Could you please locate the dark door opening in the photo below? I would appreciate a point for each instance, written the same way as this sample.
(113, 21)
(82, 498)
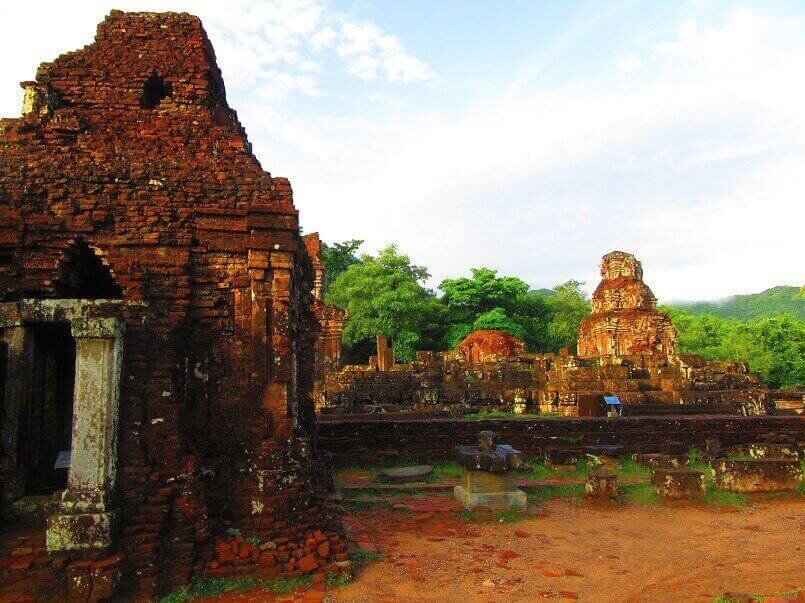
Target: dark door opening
(46, 421)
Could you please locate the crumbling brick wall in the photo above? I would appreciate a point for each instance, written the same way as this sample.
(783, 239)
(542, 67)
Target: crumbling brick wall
(128, 147)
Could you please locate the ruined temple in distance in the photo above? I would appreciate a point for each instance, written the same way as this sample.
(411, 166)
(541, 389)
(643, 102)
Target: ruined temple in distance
(624, 319)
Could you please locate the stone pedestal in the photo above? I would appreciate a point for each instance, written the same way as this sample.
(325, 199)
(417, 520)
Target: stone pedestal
(678, 483)
(495, 491)
(85, 517)
(602, 485)
(757, 475)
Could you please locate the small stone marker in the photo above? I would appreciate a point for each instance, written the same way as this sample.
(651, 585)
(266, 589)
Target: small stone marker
(677, 483)
(757, 475)
(406, 475)
(602, 485)
(489, 476)
(63, 460)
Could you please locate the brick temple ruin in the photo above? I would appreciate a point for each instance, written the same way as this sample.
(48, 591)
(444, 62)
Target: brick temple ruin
(159, 326)
(163, 330)
(626, 349)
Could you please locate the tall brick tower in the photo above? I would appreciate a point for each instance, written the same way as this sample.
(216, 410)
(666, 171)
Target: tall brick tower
(624, 319)
(137, 226)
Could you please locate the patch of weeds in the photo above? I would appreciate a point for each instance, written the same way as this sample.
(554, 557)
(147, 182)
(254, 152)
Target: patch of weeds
(572, 492)
(443, 471)
(281, 586)
(719, 498)
(583, 468)
(360, 558)
(339, 581)
(199, 589)
(800, 489)
(539, 469)
(629, 467)
(639, 494)
(233, 532)
(510, 516)
(696, 462)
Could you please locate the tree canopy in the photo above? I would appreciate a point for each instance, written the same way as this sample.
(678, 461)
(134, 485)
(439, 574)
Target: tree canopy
(384, 294)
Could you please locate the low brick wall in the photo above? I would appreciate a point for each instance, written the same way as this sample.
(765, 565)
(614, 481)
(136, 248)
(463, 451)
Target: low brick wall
(356, 438)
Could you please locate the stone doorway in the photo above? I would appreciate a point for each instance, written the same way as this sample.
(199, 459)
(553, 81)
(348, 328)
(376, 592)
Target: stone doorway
(46, 416)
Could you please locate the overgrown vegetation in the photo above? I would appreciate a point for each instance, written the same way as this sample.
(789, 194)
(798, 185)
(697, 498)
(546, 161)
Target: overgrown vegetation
(640, 493)
(386, 293)
(510, 516)
(572, 492)
(774, 348)
(629, 467)
(360, 558)
(199, 589)
(718, 498)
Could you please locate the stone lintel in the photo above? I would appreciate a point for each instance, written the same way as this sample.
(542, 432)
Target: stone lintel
(63, 310)
(97, 328)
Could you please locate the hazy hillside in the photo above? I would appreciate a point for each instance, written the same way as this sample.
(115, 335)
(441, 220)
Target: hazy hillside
(772, 302)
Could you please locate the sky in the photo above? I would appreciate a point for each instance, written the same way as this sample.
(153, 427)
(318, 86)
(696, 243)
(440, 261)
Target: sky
(530, 137)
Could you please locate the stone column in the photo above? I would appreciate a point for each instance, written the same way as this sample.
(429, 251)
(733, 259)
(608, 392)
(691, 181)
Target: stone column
(18, 340)
(86, 517)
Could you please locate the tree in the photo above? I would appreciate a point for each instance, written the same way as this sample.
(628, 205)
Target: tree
(774, 348)
(568, 306)
(488, 301)
(384, 294)
(337, 257)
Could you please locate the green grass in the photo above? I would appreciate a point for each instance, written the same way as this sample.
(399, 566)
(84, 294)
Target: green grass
(696, 462)
(281, 586)
(510, 516)
(501, 414)
(792, 593)
(639, 494)
(628, 467)
(572, 492)
(361, 558)
(718, 498)
(198, 589)
(539, 469)
(339, 581)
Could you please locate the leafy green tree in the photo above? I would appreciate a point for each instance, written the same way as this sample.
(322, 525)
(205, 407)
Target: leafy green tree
(773, 347)
(568, 306)
(337, 257)
(486, 300)
(384, 294)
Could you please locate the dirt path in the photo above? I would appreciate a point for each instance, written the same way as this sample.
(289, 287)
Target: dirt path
(590, 553)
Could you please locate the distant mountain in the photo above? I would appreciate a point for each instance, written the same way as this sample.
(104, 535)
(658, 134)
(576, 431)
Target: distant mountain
(771, 302)
(544, 293)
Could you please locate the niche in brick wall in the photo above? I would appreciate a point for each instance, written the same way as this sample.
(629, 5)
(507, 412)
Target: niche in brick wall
(155, 90)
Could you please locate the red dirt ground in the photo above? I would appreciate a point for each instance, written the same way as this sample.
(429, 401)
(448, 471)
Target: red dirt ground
(587, 552)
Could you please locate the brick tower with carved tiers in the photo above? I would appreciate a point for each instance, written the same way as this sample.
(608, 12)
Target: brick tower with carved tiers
(624, 320)
(129, 166)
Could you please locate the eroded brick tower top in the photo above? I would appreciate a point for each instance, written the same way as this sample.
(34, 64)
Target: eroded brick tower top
(624, 319)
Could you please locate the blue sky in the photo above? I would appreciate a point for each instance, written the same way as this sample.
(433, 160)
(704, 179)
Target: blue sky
(530, 137)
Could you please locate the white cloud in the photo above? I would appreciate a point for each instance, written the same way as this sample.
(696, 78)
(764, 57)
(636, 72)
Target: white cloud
(692, 159)
(280, 43)
(370, 51)
(628, 64)
(696, 167)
